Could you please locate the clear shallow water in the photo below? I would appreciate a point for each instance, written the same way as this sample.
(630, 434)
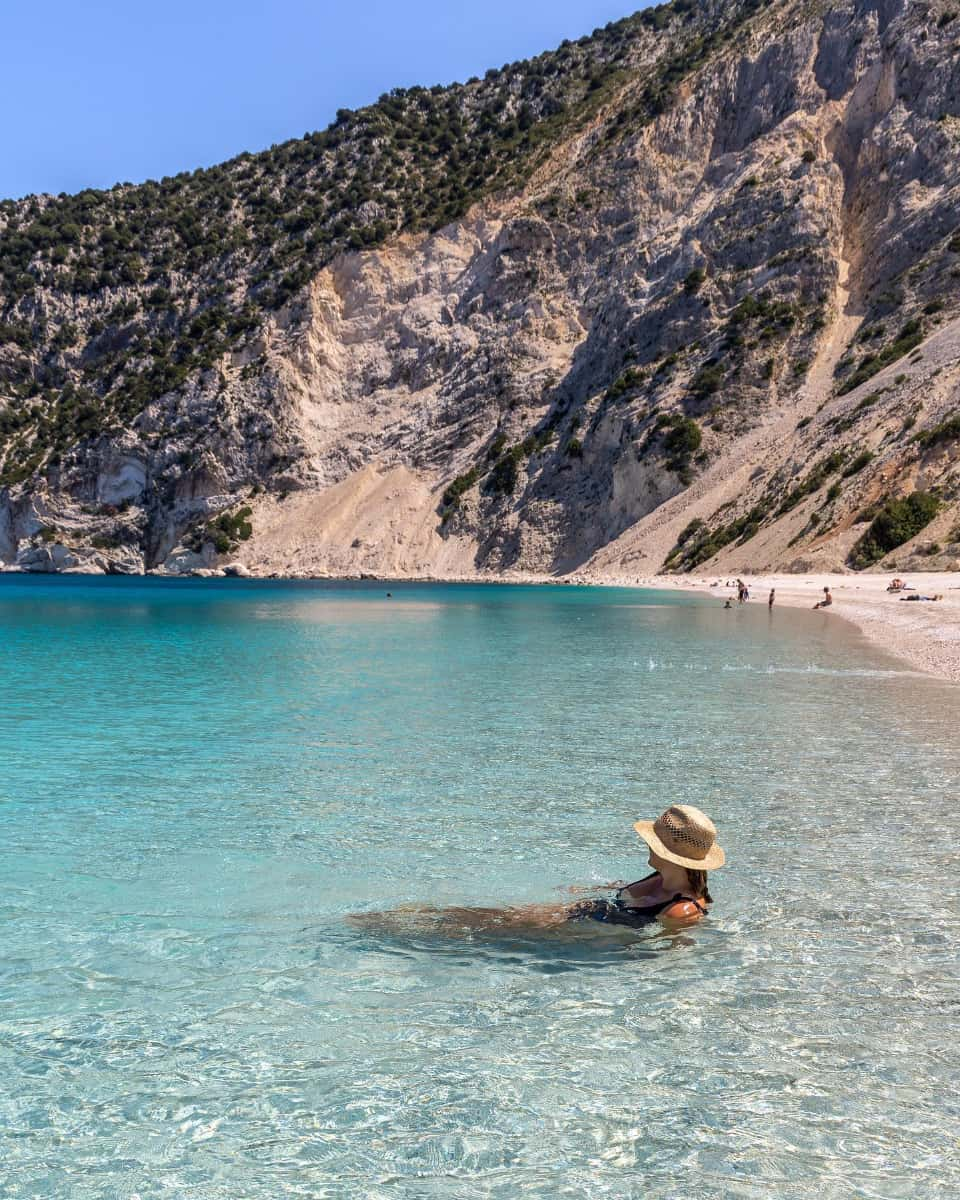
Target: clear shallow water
(199, 781)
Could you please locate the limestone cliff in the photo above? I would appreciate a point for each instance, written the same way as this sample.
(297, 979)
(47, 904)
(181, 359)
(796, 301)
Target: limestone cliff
(686, 290)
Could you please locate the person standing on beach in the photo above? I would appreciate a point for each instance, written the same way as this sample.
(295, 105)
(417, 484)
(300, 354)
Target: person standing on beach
(773, 592)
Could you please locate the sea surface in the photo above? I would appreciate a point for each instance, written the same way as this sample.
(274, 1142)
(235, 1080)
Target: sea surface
(200, 781)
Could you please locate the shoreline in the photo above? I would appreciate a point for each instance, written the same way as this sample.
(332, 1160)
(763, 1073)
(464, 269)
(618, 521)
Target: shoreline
(926, 635)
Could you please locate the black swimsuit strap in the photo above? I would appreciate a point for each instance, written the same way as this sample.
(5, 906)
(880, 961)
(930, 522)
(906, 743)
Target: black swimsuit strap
(654, 909)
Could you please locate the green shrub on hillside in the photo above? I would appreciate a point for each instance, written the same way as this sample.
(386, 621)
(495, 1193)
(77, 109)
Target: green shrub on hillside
(694, 280)
(706, 381)
(690, 531)
(910, 336)
(946, 431)
(631, 378)
(697, 543)
(502, 480)
(224, 531)
(682, 442)
(813, 482)
(462, 483)
(896, 522)
(857, 465)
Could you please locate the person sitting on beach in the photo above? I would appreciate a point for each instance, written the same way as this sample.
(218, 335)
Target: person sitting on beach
(728, 603)
(826, 601)
(683, 848)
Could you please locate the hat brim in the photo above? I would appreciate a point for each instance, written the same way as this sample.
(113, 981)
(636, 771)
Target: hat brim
(712, 860)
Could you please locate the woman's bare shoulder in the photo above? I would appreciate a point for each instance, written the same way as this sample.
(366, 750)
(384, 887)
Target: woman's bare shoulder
(643, 887)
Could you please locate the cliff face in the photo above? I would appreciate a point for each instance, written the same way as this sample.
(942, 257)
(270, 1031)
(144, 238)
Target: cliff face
(692, 293)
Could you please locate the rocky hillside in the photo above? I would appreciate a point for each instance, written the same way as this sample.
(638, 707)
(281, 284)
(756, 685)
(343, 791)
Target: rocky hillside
(684, 292)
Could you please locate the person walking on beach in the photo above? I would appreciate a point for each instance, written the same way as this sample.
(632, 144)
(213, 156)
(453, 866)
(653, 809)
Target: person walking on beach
(826, 601)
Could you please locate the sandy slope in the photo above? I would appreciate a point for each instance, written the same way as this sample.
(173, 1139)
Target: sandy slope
(381, 522)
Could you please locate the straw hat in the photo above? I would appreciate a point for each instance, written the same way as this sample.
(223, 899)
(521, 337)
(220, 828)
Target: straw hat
(685, 836)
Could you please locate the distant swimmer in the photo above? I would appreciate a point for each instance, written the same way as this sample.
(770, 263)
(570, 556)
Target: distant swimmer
(683, 848)
(826, 601)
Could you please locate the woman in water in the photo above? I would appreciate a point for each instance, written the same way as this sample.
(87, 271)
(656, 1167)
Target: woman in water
(683, 848)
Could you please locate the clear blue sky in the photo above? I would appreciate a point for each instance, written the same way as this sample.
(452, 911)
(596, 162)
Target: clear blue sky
(112, 90)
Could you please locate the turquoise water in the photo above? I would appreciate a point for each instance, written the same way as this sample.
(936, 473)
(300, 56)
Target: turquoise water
(200, 780)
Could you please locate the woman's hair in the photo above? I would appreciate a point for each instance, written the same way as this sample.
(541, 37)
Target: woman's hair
(698, 885)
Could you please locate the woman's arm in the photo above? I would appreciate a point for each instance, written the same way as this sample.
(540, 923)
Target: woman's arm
(577, 890)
